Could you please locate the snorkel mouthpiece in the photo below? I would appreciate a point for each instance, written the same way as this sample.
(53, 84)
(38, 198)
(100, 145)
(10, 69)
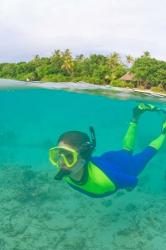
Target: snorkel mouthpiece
(62, 173)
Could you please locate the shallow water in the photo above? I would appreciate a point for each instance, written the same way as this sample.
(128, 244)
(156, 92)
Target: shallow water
(40, 213)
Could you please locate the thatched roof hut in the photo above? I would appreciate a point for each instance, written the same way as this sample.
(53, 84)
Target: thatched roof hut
(128, 77)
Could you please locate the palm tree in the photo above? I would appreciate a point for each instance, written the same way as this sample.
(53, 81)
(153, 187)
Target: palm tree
(130, 59)
(68, 64)
(113, 60)
(36, 60)
(57, 55)
(146, 54)
(80, 58)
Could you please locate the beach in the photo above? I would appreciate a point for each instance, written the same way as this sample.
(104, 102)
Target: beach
(81, 86)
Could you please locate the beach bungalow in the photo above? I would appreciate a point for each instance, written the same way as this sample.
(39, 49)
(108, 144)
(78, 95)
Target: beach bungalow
(130, 77)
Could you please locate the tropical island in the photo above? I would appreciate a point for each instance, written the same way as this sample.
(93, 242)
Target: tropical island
(144, 73)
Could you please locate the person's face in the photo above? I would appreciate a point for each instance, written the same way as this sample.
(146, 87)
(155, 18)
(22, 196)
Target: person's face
(79, 166)
(68, 156)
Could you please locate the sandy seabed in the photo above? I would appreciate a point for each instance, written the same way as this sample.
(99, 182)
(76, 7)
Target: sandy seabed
(40, 213)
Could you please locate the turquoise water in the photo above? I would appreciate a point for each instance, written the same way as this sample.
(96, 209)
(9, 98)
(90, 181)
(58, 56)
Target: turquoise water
(40, 213)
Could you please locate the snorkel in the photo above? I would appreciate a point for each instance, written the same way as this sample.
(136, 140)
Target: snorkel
(93, 137)
(62, 173)
(87, 146)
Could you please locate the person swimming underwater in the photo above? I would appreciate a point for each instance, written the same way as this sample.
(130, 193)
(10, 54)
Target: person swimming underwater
(113, 170)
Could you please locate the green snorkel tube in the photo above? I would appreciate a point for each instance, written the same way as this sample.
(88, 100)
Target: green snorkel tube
(89, 145)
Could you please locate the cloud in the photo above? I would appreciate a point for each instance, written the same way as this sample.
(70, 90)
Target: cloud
(85, 26)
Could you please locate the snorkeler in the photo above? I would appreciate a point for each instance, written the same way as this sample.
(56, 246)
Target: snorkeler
(113, 170)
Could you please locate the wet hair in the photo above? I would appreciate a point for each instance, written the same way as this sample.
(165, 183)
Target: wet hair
(78, 140)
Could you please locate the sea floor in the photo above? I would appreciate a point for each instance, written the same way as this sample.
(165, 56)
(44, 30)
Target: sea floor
(39, 213)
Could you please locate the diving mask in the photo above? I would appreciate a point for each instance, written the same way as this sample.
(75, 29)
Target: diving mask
(68, 156)
(63, 155)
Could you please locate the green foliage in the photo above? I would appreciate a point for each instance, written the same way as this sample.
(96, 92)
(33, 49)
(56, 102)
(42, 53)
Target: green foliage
(122, 84)
(55, 78)
(61, 66)
(158, 89)
(130, 59)
(149, 71)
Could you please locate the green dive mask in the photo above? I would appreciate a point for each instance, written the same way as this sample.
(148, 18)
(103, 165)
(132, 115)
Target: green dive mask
(59, 155)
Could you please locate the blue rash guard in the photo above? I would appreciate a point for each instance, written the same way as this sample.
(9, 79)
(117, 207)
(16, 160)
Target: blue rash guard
(122, 167)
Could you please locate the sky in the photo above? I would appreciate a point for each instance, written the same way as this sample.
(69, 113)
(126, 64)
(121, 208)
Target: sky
(129, 27)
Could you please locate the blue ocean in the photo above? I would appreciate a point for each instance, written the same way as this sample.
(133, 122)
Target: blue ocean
(39, 213)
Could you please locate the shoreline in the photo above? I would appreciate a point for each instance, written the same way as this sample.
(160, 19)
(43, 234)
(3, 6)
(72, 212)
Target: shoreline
(149, 92)
(15, 84)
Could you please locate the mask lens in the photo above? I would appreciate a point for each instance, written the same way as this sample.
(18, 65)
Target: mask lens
(62, 156)
(67, 154)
